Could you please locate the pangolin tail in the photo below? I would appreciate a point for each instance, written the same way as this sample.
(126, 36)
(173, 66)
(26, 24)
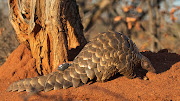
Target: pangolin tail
(54, 80)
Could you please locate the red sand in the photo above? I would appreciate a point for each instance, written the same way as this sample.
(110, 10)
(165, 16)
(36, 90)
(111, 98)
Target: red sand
(163, 86)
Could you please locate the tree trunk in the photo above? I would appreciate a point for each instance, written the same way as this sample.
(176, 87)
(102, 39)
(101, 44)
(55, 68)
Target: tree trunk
(51, 29)
(154, 24)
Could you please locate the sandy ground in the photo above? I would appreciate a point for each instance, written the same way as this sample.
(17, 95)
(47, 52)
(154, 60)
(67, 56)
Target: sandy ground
(162, 86)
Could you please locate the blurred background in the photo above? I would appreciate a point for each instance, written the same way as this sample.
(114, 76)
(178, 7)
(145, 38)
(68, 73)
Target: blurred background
(151, 24)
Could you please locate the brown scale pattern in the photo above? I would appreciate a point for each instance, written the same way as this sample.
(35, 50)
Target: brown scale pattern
(106, 55)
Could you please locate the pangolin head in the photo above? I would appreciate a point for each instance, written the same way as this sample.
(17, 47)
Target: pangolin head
(146, 64)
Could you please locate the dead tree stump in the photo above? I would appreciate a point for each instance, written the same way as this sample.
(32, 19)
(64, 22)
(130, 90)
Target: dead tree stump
(51, 29)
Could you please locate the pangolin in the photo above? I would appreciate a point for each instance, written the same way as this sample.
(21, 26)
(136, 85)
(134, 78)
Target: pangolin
(105, 55)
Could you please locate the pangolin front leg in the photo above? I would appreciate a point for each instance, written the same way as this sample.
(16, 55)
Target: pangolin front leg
(104, 56)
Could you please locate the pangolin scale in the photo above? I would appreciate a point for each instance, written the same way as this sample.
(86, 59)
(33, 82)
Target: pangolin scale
(107, 54)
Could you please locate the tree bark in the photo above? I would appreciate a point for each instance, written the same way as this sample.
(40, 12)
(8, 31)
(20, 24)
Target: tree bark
(51, 29)
(154, 24)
